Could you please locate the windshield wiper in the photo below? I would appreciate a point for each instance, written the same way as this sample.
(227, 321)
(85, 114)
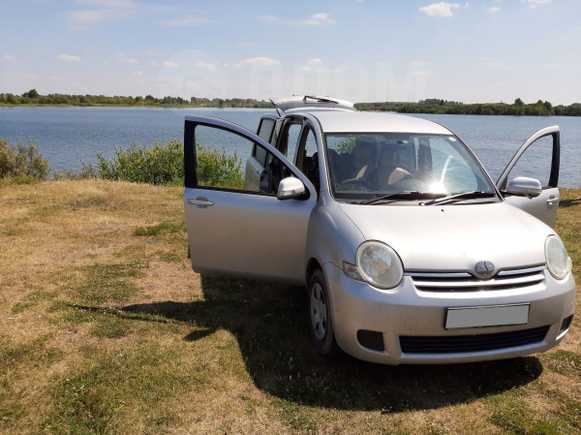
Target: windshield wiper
(410, 195)
(460, 197)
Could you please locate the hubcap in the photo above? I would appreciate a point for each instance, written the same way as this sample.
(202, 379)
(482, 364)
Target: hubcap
(318, 311)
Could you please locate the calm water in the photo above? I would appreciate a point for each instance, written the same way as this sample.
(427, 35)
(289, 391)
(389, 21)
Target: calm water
(68, 136)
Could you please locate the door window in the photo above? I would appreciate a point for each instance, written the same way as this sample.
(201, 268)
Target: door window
(265, 129)
(289, 139)
(228, 161)
(535, 162)
(307, 158)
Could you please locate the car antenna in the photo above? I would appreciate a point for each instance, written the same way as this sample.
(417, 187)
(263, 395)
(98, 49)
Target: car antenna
(278, 111)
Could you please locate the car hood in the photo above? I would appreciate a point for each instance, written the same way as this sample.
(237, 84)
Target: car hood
(454, 237)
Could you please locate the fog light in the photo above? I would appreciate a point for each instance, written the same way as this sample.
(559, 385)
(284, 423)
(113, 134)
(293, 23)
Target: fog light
(371, 339)
(566, 323)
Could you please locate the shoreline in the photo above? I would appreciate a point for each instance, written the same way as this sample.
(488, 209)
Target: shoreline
(169, 106)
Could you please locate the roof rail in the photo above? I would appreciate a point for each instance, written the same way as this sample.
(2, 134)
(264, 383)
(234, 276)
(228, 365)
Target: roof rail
(297, 103)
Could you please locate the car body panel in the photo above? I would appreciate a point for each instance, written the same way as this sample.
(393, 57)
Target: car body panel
(454, 237)
(371, 122)
(410, 312)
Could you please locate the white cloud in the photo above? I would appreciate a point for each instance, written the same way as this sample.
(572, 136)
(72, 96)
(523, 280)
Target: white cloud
(107, 3)
(268, 19)
(441, 9)
(123, 58)
(259, 61)
(68, 58)
(204, 65)
(494, 10)
(6, 58)
(314, 64)
(319, 19)
(185, 21)
(534, 3)
(95, 11)
(168, 64)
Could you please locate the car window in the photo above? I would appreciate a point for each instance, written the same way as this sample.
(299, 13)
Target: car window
(265, 131)
(266, 128)
(224, 160)
(307, 157)
(535, 162)
(291, 140)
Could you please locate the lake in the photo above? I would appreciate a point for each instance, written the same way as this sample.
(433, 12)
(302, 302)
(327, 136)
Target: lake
(68, 136)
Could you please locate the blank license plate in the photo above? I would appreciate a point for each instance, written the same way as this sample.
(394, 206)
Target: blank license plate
(498, 315)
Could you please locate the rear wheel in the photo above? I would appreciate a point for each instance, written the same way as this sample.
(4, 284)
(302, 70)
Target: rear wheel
(321, 322)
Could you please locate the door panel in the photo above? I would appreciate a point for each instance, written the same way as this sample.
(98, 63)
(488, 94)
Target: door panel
(543, 207)
(538, 157)
(242, 230)
(254, 235)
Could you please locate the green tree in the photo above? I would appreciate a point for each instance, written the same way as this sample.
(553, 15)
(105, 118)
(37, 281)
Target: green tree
(33, 93)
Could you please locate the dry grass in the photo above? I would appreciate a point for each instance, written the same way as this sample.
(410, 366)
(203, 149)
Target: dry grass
(104, 328)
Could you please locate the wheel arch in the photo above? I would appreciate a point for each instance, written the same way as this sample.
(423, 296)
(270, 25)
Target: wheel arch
(312, 265)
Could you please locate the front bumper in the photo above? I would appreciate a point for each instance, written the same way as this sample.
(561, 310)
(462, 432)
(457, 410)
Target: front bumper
(413, 313)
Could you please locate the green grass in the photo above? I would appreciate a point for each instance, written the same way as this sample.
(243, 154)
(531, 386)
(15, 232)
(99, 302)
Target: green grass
(108, 327)
(565, 362)
(159, 229)
(31, 300)
(34, 353)
(107, 331)
(142, 377)
(108, 283)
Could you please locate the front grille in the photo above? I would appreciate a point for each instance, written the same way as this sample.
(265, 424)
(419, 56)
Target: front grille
(435, 281)
(472, 343)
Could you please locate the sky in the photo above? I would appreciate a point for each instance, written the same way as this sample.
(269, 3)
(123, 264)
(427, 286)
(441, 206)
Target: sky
(361, 50)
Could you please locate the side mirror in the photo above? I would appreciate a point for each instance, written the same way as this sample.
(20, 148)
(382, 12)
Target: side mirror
(289, 188)
(524, 186)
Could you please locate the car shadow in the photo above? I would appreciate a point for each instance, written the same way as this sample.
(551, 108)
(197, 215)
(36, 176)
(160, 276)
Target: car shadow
(569, 202)
(271, 325)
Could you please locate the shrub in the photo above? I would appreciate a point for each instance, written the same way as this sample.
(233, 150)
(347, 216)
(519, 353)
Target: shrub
(218, 169)
(163, 164)
(160, 164)
(22, 162)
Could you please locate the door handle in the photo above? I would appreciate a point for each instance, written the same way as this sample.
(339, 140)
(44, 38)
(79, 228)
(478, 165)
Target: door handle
(201, 202)
(552, 201)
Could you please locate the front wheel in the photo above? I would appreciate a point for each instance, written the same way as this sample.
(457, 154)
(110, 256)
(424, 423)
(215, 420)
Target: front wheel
(322, 333)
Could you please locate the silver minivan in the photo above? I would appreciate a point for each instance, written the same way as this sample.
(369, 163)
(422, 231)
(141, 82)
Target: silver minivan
(410, 252)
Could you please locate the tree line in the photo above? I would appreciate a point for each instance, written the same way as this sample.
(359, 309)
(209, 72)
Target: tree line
(432, 105)
(32, 97)
(437, 106)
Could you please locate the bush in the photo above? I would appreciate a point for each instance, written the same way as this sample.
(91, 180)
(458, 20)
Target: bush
(160, 164)
(22, 162)
(163, 164)
(218, 169)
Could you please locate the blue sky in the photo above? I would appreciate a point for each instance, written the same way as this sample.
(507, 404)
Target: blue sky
(364, 50)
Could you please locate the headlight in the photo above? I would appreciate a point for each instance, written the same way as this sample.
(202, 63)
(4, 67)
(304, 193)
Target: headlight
(379, 265)
(558, 261)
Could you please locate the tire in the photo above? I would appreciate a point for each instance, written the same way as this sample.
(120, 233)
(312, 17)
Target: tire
(320, 318)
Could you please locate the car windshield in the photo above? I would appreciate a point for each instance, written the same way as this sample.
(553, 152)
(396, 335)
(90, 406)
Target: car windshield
(365, 165)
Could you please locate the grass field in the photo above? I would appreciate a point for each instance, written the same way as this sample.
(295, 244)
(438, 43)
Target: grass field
(104, 328)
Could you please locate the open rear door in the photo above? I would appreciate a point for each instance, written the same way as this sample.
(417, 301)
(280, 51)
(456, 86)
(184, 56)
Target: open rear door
(538, 157)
